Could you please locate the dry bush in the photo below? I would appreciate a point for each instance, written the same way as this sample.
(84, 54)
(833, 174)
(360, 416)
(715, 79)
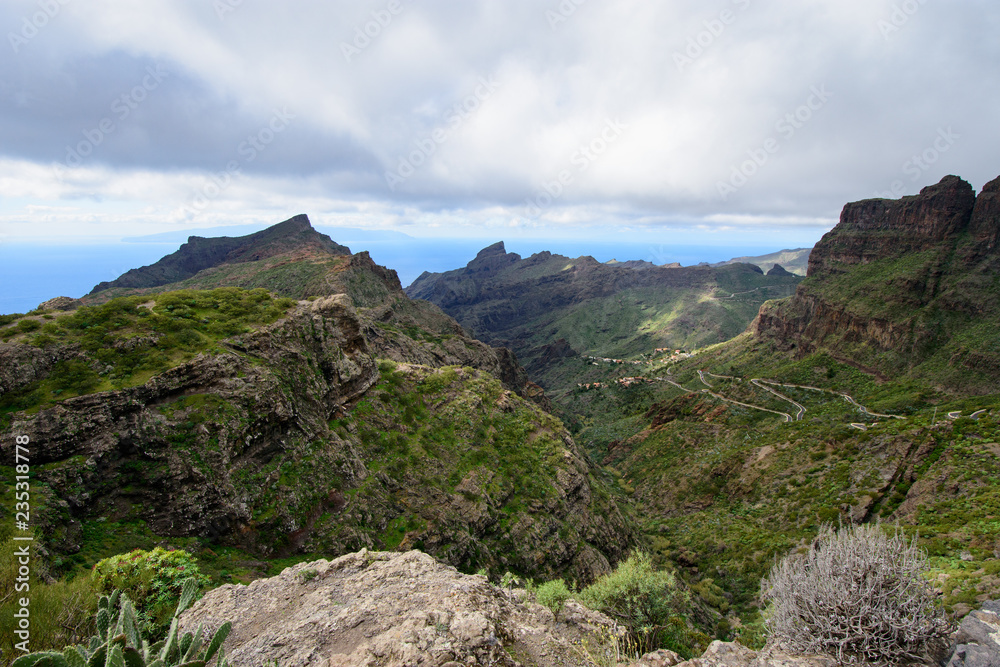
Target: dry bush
(858, 595)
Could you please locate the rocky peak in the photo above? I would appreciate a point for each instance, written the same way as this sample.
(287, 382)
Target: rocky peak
(199, 253)
(493, 258)
(875, 229)
(779, 270)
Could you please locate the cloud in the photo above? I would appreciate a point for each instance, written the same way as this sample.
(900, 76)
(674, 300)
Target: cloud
(700, 89)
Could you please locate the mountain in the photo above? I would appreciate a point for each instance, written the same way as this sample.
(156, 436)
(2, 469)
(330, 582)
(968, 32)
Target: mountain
(794, 261)
(905, 286)
(201, 253)
(613, 309)
(288, 398)
(291, 259)
(871, 394)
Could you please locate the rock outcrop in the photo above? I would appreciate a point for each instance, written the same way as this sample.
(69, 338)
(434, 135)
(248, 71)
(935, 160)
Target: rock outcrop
(977, 641)
(880, 229)
(390, 609)
(292, 437)
(901, 283)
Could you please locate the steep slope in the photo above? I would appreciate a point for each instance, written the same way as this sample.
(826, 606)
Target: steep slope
(871, 394)
(616, 309)
(907, 286)
(269, 425)
(291, 259)
(202, 253)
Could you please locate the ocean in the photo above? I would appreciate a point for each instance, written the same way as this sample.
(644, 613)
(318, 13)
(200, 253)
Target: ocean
(31, 273)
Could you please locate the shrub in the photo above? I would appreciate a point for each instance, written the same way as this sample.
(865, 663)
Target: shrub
(62, 612)
(553, 594)
(858, 595)
(118, 642)
(646, 601)
(153, 581)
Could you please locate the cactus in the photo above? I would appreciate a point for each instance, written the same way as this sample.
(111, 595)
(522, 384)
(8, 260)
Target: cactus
(119, 644)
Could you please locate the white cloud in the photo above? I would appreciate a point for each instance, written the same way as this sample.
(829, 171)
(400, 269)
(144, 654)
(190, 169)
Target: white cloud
(753, 61)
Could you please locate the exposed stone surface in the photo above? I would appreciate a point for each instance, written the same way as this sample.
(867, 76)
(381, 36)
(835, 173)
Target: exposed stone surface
(876, 229)
(977, 641)
(59, 303)
(389, 609)
(937, 253)
(733, 654)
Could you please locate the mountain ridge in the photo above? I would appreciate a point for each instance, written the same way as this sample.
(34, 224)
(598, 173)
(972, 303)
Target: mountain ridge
(200, 253)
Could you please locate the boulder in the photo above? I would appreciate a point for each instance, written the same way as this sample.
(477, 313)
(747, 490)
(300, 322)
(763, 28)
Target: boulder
(390, 609)
(977, 641)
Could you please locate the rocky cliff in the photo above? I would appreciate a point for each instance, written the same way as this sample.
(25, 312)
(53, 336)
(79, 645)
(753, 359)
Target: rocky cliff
(902, 286)
(291, 259)
(291, 438)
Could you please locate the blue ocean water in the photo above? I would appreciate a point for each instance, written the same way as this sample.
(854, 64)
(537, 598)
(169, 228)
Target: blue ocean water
(31, 273)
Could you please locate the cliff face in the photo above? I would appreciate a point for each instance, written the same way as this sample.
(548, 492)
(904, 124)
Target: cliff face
(903, 285)
(291, 438)
(879, 229)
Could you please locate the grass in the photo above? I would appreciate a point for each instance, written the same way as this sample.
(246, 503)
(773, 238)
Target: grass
(123, 342)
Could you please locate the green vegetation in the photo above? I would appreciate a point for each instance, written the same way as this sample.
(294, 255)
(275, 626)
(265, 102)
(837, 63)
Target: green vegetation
(553, 594)
(118, 641)
(648, 603)
(152, 580)
(62, 612)
(127, 340)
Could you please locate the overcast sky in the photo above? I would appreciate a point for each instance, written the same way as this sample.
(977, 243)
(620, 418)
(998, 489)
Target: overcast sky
(733, 118)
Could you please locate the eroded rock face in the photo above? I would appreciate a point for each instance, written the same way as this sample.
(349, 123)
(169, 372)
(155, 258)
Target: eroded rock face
(177, 445)
(733, 654)
(876, 229)
(897, 282)
(977, 641)
(389, 609)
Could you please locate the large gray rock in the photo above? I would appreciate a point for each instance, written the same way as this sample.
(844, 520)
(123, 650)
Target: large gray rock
(733, 654)
(978, 638)
(390, 609)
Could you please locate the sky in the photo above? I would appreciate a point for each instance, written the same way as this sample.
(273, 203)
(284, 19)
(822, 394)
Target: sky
(708, 121)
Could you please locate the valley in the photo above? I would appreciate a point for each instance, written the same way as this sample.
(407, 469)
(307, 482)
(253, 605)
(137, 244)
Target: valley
(267, 400)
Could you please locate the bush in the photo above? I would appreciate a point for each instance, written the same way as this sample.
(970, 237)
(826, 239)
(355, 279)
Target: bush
(118, 642)
(62, 612)
(152, 580)
(858, 595)
(647, 602)
(553, 594)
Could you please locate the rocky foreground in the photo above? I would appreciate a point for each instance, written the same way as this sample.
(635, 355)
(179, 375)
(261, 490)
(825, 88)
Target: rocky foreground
(393, 609)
